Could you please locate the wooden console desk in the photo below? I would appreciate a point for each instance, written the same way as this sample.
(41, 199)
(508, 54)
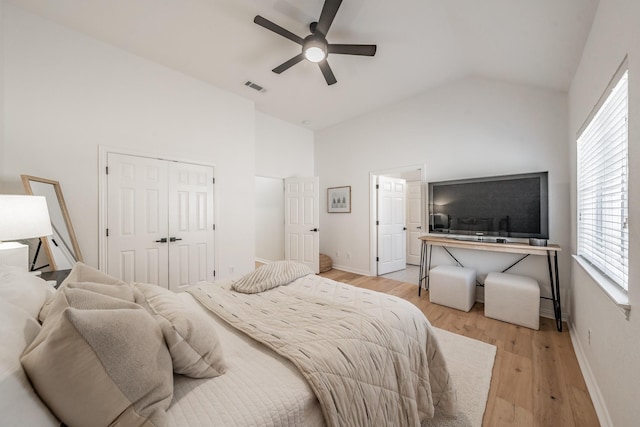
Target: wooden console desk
(472, 243)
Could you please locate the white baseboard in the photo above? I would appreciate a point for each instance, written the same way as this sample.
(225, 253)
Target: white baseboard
(337, 267)
(549, 314)
(594, 391)
(351, 270)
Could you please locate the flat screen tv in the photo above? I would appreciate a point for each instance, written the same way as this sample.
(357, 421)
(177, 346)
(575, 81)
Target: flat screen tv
(502, 206)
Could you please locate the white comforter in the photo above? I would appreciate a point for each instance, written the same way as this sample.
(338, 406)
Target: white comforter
(262, 388)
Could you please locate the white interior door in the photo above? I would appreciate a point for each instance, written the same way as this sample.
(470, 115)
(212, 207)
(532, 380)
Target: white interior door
(301, 235)
(391, 224)
(414, 222)
(190, 225)
(137, 219)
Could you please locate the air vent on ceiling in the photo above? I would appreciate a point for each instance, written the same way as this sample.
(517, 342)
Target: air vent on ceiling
(254, 86)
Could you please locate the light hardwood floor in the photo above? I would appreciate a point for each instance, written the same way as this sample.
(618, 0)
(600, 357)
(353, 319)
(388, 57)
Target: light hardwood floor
(536, 378)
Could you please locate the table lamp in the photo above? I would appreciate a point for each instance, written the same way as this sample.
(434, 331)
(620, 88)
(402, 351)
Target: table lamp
(21, 217)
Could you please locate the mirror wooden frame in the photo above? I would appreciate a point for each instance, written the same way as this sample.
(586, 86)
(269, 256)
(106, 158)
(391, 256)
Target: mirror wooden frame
(26, 181)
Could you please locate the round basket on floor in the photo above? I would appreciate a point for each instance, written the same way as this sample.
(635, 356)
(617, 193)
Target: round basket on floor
(325, 263)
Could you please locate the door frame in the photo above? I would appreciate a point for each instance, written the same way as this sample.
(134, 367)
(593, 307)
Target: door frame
(103, 151)
(373, 206)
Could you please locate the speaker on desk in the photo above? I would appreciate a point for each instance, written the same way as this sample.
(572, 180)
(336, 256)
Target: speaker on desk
(537, 242)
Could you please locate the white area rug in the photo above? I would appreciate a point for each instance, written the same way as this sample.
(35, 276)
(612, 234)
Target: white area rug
(471, 364)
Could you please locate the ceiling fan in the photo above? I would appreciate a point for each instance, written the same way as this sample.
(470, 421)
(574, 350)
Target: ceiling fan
(315, 47)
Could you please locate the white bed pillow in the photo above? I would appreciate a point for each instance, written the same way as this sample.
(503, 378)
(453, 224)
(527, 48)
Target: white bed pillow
(270, 276)
(191, 338)
(19, 403)
(23, 289)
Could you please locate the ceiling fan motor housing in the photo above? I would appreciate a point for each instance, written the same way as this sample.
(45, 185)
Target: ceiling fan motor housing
(314, 47)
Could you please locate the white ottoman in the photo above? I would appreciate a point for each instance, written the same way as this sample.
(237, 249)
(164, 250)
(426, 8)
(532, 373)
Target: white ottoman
(452, 286)
(512, 298)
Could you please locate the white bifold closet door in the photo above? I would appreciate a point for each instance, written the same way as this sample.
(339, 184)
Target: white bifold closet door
(160, 221)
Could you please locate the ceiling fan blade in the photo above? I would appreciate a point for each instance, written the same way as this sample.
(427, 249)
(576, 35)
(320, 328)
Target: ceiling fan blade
(329, 11)
(264, 22)
(327, 73)
(290, 63)
(353, 49)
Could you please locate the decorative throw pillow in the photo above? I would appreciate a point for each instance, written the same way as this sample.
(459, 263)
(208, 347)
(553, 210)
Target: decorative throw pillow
(23, 289)
(191, 338)
(81, 299)
(107, 367)
(86, 277)
(84, 273)
(270, 276)
(122, 291)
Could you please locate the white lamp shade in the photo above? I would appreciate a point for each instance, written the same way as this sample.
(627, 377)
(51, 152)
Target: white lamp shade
(23, 217)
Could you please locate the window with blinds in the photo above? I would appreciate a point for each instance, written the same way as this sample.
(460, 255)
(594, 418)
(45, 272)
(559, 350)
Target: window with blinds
(602, 202)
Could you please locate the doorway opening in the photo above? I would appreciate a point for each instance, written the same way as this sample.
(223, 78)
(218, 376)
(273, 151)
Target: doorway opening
(396, 221)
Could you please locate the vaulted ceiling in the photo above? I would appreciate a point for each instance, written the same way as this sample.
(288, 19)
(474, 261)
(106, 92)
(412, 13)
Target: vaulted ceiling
(422, 44)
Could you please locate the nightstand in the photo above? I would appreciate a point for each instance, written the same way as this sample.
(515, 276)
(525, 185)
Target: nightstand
(58, 276)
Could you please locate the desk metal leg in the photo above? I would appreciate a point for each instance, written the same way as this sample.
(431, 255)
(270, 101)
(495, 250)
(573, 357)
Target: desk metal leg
(423, 258)
(425, 265)
(430, 252)
(554, 281)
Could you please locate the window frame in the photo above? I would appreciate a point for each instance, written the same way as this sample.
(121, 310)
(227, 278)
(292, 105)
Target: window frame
(615, 284)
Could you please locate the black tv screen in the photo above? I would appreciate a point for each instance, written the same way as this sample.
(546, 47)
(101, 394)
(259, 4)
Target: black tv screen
(504, 206)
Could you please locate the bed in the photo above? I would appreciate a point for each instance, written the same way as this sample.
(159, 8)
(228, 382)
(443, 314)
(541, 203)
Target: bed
(189, 359)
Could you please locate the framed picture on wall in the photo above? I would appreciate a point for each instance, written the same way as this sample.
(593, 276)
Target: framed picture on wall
(339, 199)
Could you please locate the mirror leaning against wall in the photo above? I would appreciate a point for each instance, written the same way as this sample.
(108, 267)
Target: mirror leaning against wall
(62, 247)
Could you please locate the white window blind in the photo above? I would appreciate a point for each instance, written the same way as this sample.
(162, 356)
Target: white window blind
(603, 237)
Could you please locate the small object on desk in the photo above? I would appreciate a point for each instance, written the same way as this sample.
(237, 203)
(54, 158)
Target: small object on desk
(57, 276)
(537, 242)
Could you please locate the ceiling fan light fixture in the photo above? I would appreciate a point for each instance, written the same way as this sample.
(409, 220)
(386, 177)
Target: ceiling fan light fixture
(314, 48)
(315, 54)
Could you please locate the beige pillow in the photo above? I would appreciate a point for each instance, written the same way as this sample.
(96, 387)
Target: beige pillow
(86, 277)
(122, 291)
(191, 338)
(81, 299)
(85, 273)
(103, 367)
(270, 276)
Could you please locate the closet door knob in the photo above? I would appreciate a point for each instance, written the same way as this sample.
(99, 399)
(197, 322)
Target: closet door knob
(173, 239)
(163, 240)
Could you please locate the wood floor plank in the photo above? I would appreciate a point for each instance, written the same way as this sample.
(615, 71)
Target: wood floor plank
(536, 378)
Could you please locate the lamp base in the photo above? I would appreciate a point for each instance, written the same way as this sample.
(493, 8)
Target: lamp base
(14, 254)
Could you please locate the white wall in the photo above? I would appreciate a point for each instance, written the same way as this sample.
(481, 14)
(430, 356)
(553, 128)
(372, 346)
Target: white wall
(611, 360)
(2, 157)
(282, 150)
(473, 127)
(65, 94)
(269, 219)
